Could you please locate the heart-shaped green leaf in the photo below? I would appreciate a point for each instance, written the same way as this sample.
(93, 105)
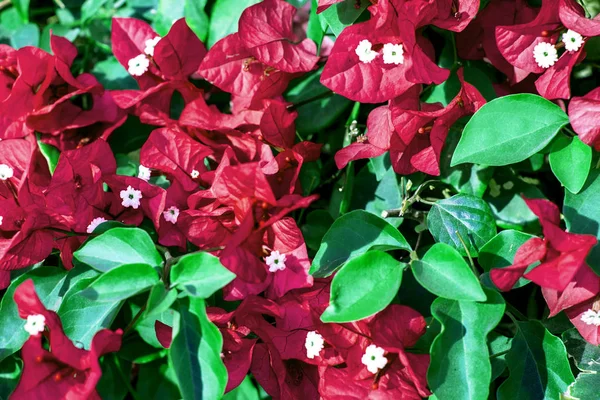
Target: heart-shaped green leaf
(363, 287)
(200, 274)
(444, 272)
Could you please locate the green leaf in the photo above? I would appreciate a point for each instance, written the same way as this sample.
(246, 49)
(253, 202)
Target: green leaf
(121, 283)
(119, 246)
(157, 380)
(10, 371)
(22, 7)
(508, 130)
(444, 272)
(571, 160)
(195, 353)
(200, 274)
(112, 385)
(351, 235)
(48, 281)
(82, 317)
(463, 217)
(538, 365)
(167, 12)
(317, 26)
(585, 355)
(90, 8)
(316, 226)
(500, 252)
(343, 14)
(112, 75)
(224, 18)
(159, 301)
(499, 345)
(26, 35)
(460, 365)
(376, 194)
(582, 214)
(364, 286)
(50, 153)
(586, 386)
(245, 391)
(196, 17)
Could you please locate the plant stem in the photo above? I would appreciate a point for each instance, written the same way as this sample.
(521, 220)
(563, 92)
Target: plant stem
(323, 95)
(468, 253)
(134, 320)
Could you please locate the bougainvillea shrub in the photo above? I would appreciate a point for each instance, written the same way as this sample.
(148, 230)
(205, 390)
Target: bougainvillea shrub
(332, 199)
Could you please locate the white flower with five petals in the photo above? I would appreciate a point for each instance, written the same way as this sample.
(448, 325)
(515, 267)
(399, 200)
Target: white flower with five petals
(131, 197)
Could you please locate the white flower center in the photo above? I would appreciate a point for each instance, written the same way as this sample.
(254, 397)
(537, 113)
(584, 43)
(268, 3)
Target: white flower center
(393, 53)
(364, 51)
(6, 172)
(35, 324)
(545, 54)
(144, 173)
(195, 174)
(314, 344)
(572, 40)
(171, 214)
(275, 261)
(591, 317)
(131, 197)
(1, 218)
(138, 65)
(150, 45)
(374, 358)
(94, 224)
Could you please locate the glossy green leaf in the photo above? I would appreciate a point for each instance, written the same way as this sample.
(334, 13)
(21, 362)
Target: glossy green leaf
(571, 160)
(582, 213)
(316, 226)
(121, 283)
(10, 371)
(157, 380)
(117, 247)
(48, 281)
(586, 386)
(351, 235)
(538, 365)
(196, 17)
(460, 365)
(159, 300)
(463, 217)
(508, 130)
(26, 35)
(444, 272)
(82, 317)
(364, 286)
(90, 8)
(224, 18)
(500, 251)
(200, 274)
(22, 7)
(50, 153)
(167, 12)
(112, 75)
(499, 345)
(195, 353)
(585, 355)
(343, 14)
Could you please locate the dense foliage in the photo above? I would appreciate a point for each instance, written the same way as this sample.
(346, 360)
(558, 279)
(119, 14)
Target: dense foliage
(332, 199)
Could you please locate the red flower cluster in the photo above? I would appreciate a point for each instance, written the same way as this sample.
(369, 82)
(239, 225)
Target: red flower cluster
(64, 371)
(567, 282)
(234, 178)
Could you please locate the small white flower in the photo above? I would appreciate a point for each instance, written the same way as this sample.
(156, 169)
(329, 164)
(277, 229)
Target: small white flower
(35, 324)
(6, 172)
(150, 45)
(131, 197)
(572, 40)
(138, 65)
(545, 54)
(144, 173)
(94, 224)
(275, 261)
(393, 54)
(374, 359)
(195, 174)
(591, 317)
(171, 214)
(1, 218)
(314, 344)
(364, 51)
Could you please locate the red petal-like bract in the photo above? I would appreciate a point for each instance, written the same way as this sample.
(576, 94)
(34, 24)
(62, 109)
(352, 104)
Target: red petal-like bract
(583, 115)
